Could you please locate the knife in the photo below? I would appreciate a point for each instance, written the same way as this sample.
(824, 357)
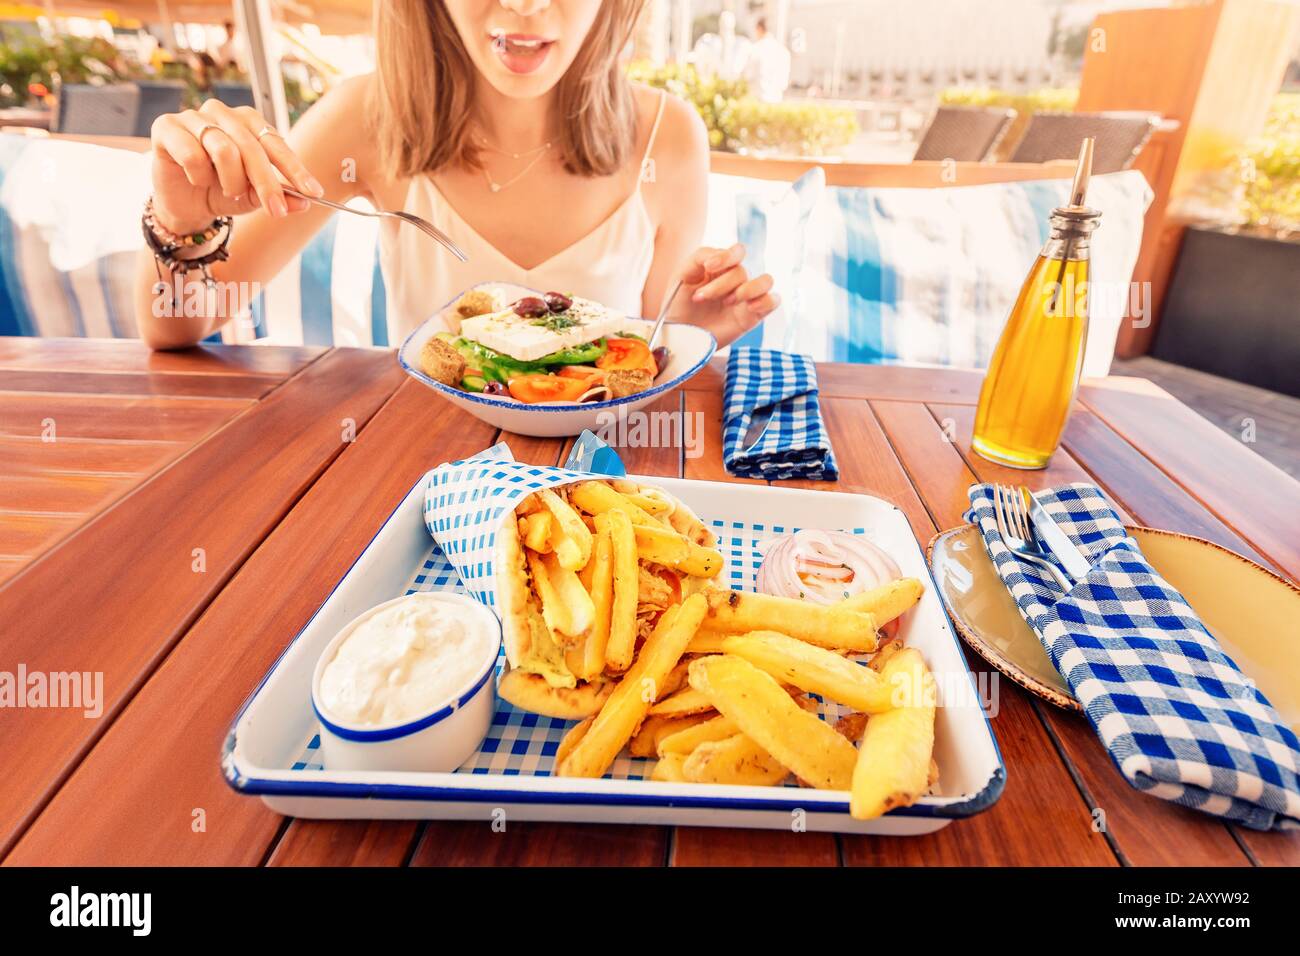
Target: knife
(757, 425)
(1057, 541)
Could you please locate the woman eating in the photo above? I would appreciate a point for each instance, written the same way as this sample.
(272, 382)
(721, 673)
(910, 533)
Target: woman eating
(509, 125)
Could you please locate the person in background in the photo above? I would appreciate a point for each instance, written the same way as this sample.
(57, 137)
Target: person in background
(767, 68)
(510, 125)
(228, 53)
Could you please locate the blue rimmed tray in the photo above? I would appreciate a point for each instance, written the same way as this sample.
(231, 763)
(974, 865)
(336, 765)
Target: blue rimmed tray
(271, 748)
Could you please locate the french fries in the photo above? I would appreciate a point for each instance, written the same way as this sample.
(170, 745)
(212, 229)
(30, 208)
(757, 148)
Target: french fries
(887, 601)
(571, 539)
(531, 692)
(808, 747)
(686, 739)
(566, 605)
(629, 702)
(587, 660)
(739, 612)
(894, 761)
(613, 619)
(736, 760)
(669, 769)
(571, 738)
(645, 742)
(535, 530)
(684, 703)
(660, 545)
(622, 625)
(813, 669)
(596, 498)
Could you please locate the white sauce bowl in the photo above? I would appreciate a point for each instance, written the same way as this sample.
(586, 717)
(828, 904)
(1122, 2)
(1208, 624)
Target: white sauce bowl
(439, 740)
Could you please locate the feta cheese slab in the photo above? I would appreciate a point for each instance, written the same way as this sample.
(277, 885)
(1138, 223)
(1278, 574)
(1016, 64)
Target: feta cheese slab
(528, 339)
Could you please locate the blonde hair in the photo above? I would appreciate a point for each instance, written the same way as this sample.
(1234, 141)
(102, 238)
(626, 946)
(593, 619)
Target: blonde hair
(425, 91)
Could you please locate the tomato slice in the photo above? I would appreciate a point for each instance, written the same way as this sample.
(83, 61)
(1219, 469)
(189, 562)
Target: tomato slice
(541, 387)
(627, 354)
(584, 372)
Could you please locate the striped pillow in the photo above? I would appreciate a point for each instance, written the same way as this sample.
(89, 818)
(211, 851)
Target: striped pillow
(67, 265)
(929, 276)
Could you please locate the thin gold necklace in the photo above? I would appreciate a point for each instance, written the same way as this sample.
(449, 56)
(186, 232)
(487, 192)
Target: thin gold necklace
(495, 186)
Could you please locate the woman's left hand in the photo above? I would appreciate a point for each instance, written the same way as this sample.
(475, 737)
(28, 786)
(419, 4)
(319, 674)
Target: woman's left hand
(717, 294)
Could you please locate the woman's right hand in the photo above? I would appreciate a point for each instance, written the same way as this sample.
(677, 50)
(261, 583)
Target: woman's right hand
(210, 162)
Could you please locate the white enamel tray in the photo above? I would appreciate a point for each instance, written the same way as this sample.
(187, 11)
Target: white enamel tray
(270, 751)
(689, 349)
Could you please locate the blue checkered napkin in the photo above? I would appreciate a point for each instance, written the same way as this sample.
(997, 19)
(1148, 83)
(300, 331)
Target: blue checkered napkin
(1177, 716)
(466, 501)
(795, 443)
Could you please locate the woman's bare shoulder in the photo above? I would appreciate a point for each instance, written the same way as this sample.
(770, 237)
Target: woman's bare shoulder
(330, 126)
(682, 139)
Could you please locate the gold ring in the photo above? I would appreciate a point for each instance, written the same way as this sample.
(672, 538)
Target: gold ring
(267, 129)
(203, 132)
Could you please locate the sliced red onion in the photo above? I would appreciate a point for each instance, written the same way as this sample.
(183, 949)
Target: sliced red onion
(823, 567)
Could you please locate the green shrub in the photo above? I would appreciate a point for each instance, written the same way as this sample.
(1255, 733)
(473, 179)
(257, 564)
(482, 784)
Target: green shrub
(1270, 170)
(739, 123)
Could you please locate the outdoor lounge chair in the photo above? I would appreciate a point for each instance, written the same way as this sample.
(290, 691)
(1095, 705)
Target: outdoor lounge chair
(1120, 137)
(964, 133)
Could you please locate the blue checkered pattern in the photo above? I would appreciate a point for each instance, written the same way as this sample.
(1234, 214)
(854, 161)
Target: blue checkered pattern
(466, 501)
(795, 443)
(1177, 716)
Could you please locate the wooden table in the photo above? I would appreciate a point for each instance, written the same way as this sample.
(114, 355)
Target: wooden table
(173, 521)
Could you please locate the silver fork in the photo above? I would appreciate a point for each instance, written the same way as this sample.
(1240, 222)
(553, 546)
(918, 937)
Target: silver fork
(426, 227)
(1017, 532)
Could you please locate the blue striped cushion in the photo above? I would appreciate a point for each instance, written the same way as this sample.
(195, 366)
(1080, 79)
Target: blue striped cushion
(928, 276)
(335, 283)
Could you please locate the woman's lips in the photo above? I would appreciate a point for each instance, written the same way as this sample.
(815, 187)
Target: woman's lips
(521, 52)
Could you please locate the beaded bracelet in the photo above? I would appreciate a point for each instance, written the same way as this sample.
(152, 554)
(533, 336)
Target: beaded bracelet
(166, 246)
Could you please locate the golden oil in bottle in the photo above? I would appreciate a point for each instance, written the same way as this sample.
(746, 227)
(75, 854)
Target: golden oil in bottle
(1034, 373)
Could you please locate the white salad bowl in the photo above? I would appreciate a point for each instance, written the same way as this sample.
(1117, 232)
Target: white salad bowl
(437, 741)
(689, 347)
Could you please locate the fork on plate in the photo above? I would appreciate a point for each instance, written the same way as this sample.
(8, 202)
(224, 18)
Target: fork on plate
(1017, 532)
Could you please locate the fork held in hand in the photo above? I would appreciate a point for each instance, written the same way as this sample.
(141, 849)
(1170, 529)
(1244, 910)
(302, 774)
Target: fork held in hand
(1017, 532)
(426, 227)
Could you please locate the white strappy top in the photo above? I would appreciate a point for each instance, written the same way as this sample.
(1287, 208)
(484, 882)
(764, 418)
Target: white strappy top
(609, 264)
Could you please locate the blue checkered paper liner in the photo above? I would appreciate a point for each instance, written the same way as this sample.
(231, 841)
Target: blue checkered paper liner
(1177, 716)
(794, 444)
(523, 743)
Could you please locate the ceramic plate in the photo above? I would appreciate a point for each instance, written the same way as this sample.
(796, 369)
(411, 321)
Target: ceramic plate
(1251, 611)
(689, 347)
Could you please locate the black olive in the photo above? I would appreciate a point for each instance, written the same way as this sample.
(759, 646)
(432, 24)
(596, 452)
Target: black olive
(558, 301)
(661, 356)
(494, 388)
(531, 307)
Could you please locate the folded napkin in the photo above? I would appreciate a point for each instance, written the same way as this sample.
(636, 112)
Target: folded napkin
(794, 444)
(1177, 716)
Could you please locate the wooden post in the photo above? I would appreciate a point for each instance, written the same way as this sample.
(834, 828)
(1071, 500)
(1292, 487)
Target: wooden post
(1212, 68)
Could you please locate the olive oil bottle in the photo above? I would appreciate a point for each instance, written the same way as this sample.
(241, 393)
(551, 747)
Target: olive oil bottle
(1034, 373)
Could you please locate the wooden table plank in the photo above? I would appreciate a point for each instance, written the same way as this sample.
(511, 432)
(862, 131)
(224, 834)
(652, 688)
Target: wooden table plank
(1154, 498)
(223, 497)
(232, 645)
(174, 384)
(445, 843)
(132, 355)
(885, 382)
(345, 843)
(1147, 831)
(1253, 497)
(31, 456)
(34, 414)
